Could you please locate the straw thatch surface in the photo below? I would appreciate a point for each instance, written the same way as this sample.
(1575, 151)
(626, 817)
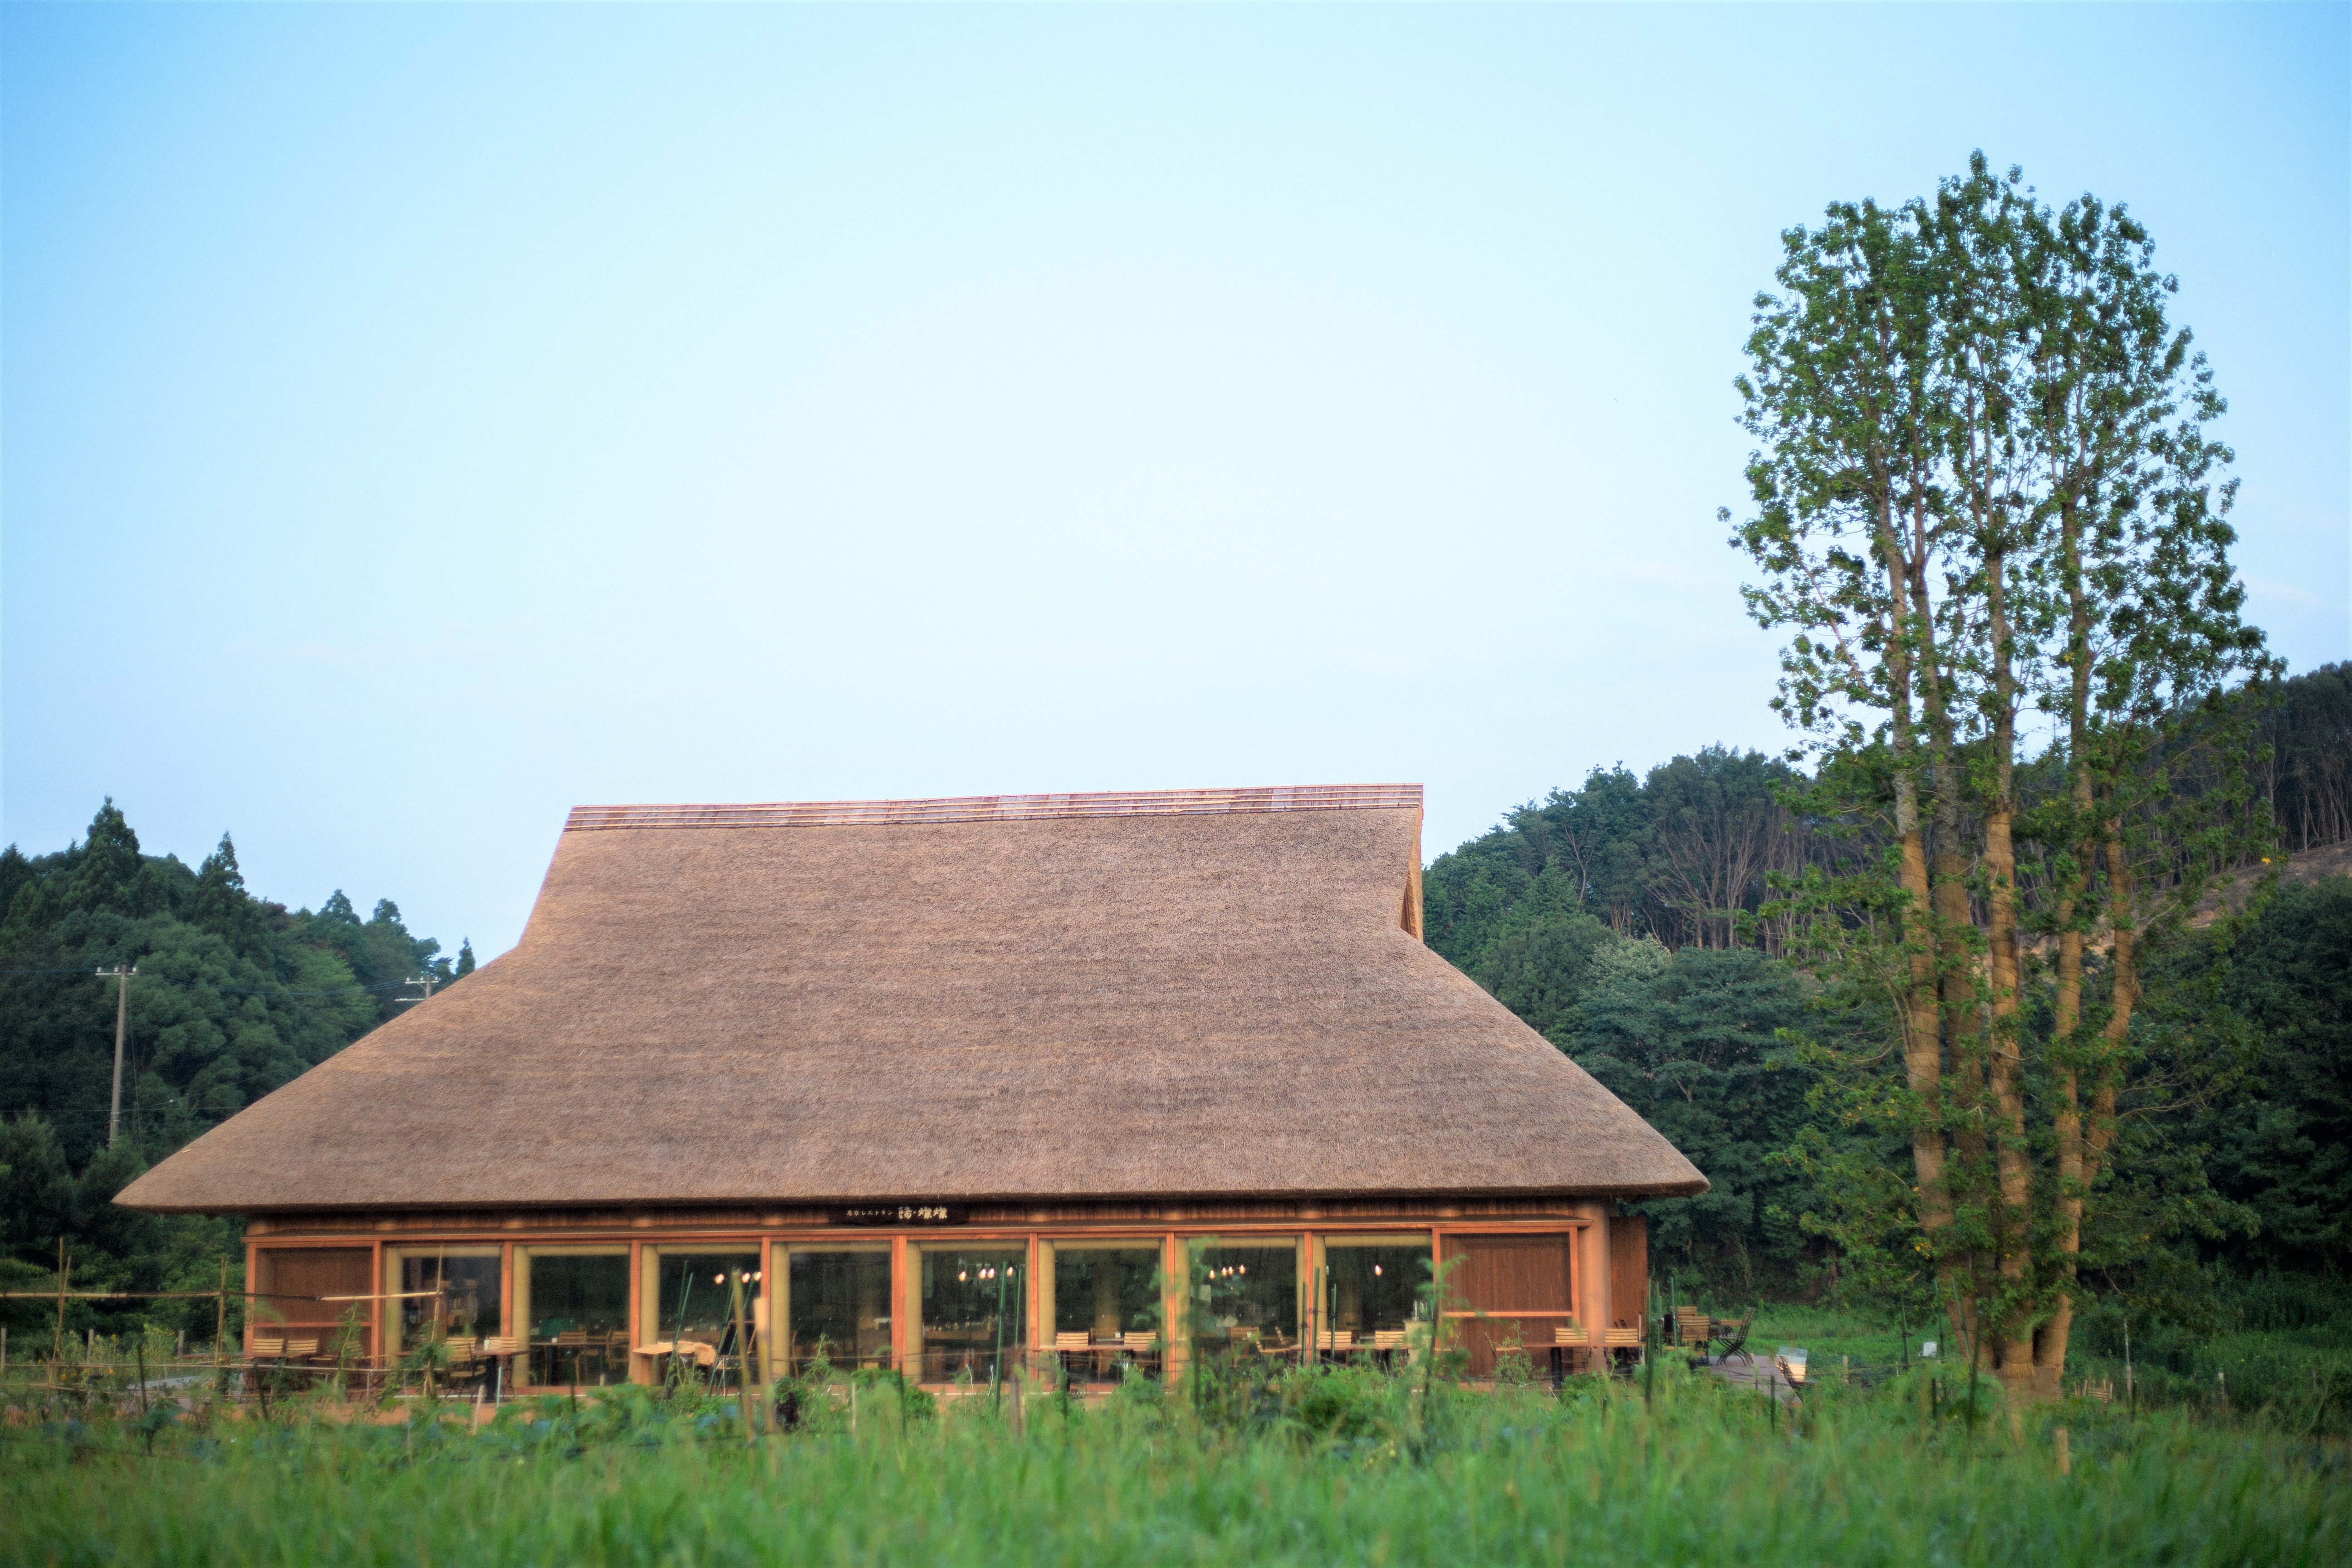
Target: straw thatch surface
(1202, 999)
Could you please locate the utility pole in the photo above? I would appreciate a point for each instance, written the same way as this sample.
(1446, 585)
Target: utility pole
(426, 980)
(122, 978)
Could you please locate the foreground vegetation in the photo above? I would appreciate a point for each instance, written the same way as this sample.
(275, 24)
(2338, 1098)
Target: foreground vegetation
(1329, 1467)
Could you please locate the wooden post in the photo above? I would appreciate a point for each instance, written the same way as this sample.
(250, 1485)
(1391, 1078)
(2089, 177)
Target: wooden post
(220, 1315)
(1038, 1329)
(905, 1300)
(2066, 1464)
(122, 974)
(377, 1309)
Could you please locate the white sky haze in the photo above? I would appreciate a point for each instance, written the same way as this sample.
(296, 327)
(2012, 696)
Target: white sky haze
(417, 420)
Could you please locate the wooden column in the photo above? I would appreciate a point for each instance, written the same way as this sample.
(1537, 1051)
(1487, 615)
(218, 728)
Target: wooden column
(1173, 1308)
(905, 1300)
(1592, 1304)
(507, 1304)
(1032, 1303)
(382, 1308)
(643, 1374)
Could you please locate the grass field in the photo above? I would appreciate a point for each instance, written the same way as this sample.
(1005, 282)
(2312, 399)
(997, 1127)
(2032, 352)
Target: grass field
(1325, 1468)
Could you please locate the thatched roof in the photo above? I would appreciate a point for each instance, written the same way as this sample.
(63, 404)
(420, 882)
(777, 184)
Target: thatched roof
(1178, 993)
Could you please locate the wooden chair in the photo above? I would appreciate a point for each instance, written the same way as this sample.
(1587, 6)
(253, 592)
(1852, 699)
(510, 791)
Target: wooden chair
(563, 1353)
(1137, 1342)
(264, 1355)
(1615, 1342)
(464, 1359)
(1337, 1341)
(1568, 1342)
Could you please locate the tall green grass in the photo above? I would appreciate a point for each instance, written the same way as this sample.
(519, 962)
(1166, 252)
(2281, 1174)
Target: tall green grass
(1350, 1468)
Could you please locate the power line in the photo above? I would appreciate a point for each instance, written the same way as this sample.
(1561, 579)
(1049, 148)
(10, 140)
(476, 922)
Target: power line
(243, 990)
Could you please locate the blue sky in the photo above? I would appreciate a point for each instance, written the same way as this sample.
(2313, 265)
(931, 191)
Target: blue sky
(415, 420)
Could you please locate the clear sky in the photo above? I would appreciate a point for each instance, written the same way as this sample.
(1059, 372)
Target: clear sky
(419, 419)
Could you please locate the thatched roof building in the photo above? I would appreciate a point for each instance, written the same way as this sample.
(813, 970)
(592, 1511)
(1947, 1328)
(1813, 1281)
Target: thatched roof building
(1204, 994)
(941, 1082)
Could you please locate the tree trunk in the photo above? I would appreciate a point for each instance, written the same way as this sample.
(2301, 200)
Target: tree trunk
(1955, 975)
(2066, 1021)
(1922, 1054)
(2013, 1350)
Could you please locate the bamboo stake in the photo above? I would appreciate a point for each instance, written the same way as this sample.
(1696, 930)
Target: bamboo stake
(198, 1295)
(1021, 1368)
(743, 1352)
(673, 1374)
(58, 1349)
(996, 1366)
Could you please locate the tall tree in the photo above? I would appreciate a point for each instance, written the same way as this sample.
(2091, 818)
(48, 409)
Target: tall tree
(1983, 480)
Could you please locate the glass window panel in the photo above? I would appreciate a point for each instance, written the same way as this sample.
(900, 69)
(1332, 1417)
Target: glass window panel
(1253, 1292)
(471, 1293)
(972, 1304)
(576, 1309)
(839, 1307)
(1110, 1296)
(1106, 1292)
(1370, 1289)
(695, 1296)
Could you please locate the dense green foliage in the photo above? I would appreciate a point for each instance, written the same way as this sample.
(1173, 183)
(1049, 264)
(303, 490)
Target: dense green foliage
(233, 997)
(1560, 912)
(2282, 1147)
(1333, 1469)
(2308, 776)
(1676, 855)
(1548, 912)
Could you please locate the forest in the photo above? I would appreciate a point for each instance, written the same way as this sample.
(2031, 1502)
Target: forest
(1631, 922)
(234, 995)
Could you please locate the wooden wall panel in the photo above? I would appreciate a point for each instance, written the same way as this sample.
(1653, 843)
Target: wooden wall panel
(301, 1272)
(1523, 1286)
(1628, 1269)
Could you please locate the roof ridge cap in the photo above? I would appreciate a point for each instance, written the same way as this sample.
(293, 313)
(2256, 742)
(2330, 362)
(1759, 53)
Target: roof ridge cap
(1000, 807)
